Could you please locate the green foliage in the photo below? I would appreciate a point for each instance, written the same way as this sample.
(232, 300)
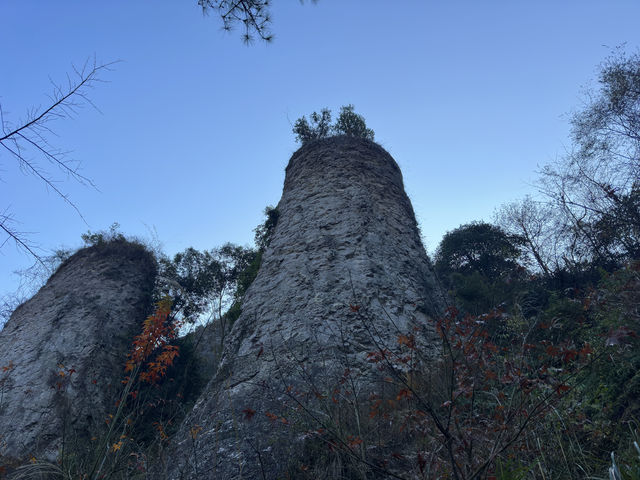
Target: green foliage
(628, 466)
(92, 239)
(474, 293)
(510, 470)
(478, 262)
(612, 393)
(210, 285)
(616, 233)
(264, 231)
(203, 283)
(595, 304)
(479, 247)
(348, 123)
(351, 124)
(320, 126)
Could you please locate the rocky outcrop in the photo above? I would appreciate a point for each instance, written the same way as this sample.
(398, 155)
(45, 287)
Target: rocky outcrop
(62, 352)
(344, 275)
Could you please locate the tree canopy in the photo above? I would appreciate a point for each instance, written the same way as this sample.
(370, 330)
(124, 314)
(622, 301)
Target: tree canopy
(348, 123)
(478, 247)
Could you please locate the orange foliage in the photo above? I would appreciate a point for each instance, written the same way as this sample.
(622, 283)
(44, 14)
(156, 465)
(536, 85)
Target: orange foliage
(157, 331)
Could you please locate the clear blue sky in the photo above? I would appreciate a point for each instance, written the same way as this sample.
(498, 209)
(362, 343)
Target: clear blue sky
(194, 128)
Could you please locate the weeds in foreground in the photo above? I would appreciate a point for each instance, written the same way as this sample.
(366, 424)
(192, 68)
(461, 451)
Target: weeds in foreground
(487, 407)
(630, 470)
(484, 409)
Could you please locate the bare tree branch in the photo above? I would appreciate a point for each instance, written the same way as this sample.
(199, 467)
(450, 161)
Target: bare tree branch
(17, 237)
(28, 141)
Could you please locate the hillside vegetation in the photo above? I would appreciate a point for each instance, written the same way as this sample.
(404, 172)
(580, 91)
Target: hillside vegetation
(539, 371)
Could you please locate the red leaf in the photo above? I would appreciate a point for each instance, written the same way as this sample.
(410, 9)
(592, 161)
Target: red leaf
(404, 393)
(248, 413)
(586, 350)
(354, 441)
(273, 417)
(421, 463)
(409, 341)
(552, 351)
(6, 368)
(568, 355)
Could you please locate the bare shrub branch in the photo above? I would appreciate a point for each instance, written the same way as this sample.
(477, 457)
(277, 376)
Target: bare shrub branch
(28, 142)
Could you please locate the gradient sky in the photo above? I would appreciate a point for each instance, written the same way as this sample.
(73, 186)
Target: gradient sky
(194, 128)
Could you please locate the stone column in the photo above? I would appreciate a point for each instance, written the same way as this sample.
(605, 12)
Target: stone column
(62, 352)
(345, 273)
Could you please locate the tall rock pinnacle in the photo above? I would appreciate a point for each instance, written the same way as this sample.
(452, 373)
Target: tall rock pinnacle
(62, 352)
(345, 273)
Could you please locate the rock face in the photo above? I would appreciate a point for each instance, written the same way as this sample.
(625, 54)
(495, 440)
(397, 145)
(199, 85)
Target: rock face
(62, 352)
(344, 274)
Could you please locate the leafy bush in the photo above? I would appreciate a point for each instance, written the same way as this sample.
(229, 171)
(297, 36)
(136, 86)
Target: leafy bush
(351, 124)
(320, 126)
(348, 123)
(101, 237)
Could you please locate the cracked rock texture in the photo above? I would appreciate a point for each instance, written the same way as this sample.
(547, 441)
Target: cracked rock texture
(62, 352)
(345, 272)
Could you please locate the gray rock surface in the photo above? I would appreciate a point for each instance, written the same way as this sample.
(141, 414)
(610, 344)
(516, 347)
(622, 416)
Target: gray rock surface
(345, 273)
(62, 352)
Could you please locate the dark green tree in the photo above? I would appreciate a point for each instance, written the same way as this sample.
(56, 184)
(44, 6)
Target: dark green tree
(478, 247)
(320, 126)
(351, 124)
(209, 285)
(203, 283)
(264, 231)
(478, 263)
(348, 123)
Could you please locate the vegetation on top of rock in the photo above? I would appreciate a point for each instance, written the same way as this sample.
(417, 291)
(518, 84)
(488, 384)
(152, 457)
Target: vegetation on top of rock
(348, 123)
(538, 373)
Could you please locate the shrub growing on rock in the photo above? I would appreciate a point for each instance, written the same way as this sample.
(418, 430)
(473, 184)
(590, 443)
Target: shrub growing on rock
(349, 123)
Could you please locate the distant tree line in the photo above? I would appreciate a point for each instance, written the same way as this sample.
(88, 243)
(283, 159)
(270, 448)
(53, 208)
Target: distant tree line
(588, 212)
(564, 267)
